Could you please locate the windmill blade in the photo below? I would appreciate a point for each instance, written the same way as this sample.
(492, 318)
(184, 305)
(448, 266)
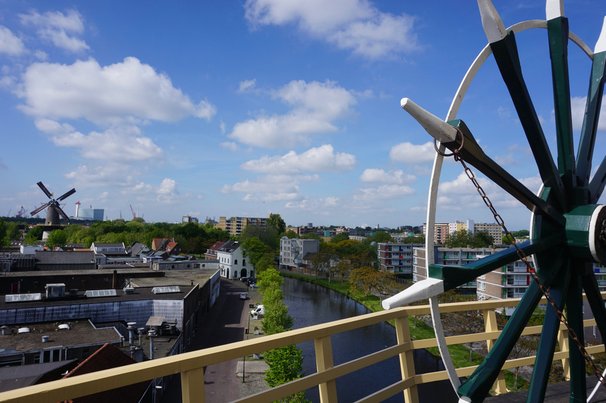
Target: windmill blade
(39, 209)
(61, 212)
(67, 194)
(45, 190)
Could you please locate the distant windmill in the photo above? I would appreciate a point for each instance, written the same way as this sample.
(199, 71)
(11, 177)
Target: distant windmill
(53, 209)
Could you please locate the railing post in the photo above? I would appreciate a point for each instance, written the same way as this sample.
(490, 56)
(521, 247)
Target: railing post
(564, 347)
(324, 361)
(407, 364)
(491, 325)
(192, 386)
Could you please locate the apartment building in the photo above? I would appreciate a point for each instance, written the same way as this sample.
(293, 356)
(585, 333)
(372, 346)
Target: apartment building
(440, 232)
(296, 253)
(396, 258)
(235, 225)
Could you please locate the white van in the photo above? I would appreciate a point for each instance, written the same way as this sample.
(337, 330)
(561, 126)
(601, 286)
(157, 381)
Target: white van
(257, 312)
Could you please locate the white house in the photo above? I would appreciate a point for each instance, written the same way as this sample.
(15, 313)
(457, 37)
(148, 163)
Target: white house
(232, 261)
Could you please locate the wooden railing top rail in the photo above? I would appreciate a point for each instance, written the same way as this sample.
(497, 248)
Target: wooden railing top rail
(179, 364)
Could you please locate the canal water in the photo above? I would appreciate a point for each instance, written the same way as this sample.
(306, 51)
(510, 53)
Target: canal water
(310, 304)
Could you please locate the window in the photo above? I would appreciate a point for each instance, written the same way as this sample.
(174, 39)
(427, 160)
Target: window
(235, 261)
(243, 262)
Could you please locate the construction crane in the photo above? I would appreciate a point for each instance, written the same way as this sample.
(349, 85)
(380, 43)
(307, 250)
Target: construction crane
(132, 210)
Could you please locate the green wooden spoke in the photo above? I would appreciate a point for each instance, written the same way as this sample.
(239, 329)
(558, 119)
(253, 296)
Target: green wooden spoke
(557, 30)
(592, 291)
(472, 153)
(590, 120)
(544, 357)
(455, 276)
(574, 313)
(596, 186)
(479, 383)
(506, 55)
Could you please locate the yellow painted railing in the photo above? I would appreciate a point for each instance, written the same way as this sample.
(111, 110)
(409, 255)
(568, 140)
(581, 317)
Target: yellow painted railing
(190, 365)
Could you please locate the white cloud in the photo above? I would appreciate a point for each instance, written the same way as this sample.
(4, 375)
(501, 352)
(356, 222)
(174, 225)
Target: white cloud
(104, 175)
(270, 188)
(10, 44)
(124, 143)
(321, 205)
(380, 36)
(409, 153)
(265, 189)
(379, 175)
(229, 145)
(318, 159)
(353, 25)
(247, 85)
(167, 191)
(62, 30)
(315, 107)
(129, 91)
(383, 192)
(578, 112)
(460, 193)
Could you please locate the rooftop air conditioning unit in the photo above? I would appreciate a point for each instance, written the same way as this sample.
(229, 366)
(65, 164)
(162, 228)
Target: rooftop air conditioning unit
(56, 290)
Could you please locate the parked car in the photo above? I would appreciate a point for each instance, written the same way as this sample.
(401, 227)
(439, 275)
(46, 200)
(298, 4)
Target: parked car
(243, 295)
(257, 312)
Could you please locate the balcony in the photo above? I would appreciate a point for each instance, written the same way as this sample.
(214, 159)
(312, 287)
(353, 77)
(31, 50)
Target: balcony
(191, 365)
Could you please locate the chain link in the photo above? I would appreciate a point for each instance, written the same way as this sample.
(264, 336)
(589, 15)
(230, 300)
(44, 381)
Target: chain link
(524, 258)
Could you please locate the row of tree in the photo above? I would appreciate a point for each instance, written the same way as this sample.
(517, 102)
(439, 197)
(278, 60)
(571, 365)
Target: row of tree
(192, 237)
(285, 363)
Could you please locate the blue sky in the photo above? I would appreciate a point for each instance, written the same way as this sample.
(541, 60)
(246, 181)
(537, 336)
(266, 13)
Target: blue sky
(245, 108)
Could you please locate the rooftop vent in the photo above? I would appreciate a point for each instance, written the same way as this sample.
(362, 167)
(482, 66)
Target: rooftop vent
(166, 290)
(23, 330)
(100, 293)
(63, 326)
(56, 290)
(23, 297)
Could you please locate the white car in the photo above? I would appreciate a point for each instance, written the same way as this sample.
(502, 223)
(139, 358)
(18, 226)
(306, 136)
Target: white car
(243, 295)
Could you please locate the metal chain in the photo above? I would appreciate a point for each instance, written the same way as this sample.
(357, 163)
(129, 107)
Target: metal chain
(524, 258)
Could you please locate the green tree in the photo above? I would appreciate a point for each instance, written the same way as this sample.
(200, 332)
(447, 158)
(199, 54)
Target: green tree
(57, 238)
(3, 232)
(12, 233)
(276, 222)
(285, 363)
(481, 239)
(464, 239)
(380, 236)
(291, 234)
(255, 250)
(367, 280)
(343, 236)
(34, 235)
(414, 239)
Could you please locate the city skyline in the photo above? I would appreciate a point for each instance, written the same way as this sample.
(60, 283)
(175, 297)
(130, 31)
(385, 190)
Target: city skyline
(263, 106)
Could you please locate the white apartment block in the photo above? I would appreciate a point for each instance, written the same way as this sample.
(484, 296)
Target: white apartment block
(232, 261)
(235, 225)
(396, 258)
(296, 253)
